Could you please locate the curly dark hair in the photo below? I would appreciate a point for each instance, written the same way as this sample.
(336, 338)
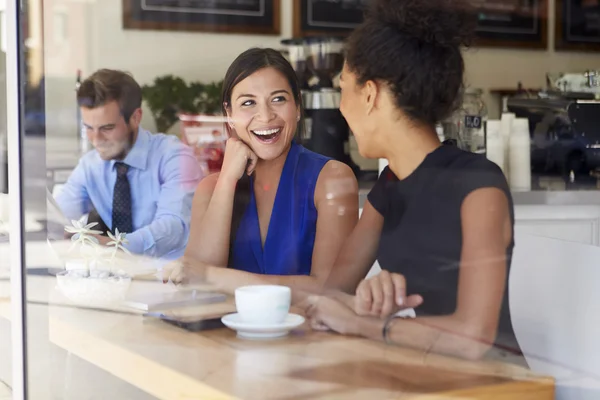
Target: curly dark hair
(415, 47)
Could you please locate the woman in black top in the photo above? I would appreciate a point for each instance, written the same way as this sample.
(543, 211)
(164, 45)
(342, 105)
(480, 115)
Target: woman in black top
(439, 220)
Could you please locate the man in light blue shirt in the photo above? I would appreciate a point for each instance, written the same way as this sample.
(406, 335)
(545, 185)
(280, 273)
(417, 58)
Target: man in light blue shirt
(138, 182)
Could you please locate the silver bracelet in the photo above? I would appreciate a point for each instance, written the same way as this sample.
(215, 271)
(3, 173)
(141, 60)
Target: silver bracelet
(386, 328)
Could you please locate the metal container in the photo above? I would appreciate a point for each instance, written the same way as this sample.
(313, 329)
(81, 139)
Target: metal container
(466, 127)
(324, 99)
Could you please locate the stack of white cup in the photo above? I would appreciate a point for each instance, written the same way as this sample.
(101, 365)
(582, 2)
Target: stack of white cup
(495, 144)
(520, 156)
(506, 125)
(509, 146)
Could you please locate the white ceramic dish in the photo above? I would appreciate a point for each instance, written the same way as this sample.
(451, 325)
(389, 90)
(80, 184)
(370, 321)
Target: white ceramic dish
(262, 331)
(134, 265)
(95, 288)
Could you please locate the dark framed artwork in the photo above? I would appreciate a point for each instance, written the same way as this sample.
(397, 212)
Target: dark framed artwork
(512, 23)
(224, 16)
(577, 25)
(325, 17)
(500, 23)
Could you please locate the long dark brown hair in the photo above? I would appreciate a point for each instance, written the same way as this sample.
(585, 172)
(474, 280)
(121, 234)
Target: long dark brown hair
(247, 63)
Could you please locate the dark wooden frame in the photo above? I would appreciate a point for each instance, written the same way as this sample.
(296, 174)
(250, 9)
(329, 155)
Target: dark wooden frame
(297, 29)
(559, 43)
(541, 44)
(479, 41)
(274, 29)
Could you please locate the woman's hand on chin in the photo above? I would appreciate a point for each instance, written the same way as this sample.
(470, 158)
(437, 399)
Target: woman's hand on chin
(238, 159)
(383, 295)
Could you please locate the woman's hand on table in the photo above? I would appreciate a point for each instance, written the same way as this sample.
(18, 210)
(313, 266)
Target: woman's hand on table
(332, 313)
(183, 272)
(383, 295)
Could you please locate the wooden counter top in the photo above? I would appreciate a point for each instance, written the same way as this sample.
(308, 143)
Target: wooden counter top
(170, 363)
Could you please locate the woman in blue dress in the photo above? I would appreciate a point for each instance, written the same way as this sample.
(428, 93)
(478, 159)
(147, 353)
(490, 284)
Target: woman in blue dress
(276, 213)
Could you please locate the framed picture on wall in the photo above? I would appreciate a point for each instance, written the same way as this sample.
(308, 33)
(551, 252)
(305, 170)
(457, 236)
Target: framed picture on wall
(512, 23)
(500, 23)
(578, 25)
(224, 16)
(325, 17)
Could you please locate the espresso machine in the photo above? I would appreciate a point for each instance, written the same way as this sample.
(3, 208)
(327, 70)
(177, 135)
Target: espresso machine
(296, 54)
(564, 121)
(317, 60)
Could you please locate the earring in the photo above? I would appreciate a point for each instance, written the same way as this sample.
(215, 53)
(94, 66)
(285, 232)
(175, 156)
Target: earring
(298, 118)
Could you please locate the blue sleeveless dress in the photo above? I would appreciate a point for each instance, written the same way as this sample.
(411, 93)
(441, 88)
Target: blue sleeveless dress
(291, 235)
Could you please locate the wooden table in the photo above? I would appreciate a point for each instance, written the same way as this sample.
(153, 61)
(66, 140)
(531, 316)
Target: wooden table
(170, 363)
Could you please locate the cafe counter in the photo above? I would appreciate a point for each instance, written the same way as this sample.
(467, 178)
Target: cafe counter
(571, 215)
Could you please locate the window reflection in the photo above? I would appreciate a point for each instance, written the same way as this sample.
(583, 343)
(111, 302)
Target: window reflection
(172, 157)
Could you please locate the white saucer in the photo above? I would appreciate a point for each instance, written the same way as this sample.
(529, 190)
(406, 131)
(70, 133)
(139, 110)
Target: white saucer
(262, 331)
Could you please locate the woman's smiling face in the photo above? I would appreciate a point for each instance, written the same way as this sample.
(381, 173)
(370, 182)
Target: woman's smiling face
(263, 113)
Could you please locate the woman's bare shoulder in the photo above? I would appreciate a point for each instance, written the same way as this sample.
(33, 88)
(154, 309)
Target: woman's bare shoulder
(336, 180)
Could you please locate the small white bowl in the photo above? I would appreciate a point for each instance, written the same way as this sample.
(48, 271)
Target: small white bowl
(93, 288)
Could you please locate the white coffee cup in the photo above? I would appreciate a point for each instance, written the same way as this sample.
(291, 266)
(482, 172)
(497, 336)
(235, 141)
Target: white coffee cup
(263, 304)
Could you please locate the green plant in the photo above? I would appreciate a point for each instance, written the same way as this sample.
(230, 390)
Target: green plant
(169, 96)
(210, 99)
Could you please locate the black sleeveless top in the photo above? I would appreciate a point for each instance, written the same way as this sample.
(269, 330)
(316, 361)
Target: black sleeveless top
(422, 231)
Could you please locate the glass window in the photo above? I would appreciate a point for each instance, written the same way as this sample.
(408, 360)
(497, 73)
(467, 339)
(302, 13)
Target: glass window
(5, 326)
(298, 199)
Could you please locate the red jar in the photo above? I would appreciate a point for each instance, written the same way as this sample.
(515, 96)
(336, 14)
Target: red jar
(207, 136)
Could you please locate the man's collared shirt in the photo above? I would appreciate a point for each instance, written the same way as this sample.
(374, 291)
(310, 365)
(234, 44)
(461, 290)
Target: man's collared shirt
(163, 175)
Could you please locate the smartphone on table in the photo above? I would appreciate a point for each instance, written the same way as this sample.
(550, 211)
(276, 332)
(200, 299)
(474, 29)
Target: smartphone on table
(196, 318)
